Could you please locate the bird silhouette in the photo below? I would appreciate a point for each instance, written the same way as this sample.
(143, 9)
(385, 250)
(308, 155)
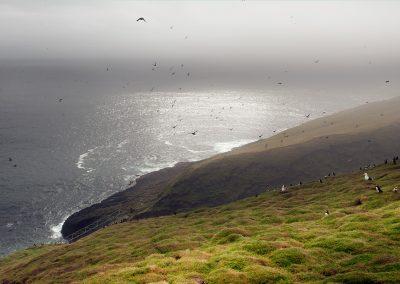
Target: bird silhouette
(174, 126)
(141, 19)
(387, 81)
(308, 115)
(155, 64)
(194, 132)
(10, 159)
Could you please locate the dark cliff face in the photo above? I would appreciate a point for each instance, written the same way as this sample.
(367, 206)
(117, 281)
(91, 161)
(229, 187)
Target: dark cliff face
(129, 202)
(189, 186)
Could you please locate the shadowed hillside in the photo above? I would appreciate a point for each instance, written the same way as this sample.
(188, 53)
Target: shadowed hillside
(272, 237)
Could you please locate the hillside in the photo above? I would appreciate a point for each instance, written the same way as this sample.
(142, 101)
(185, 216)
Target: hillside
(269, 238)
(341, 142)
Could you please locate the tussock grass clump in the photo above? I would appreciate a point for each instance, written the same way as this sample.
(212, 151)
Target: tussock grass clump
(272, 238)
(288, 256)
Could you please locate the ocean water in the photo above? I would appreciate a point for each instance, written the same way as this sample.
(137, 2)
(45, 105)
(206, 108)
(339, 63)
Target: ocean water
(72, 153)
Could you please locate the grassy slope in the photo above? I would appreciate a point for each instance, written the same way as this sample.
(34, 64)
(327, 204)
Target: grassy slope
(275, 236)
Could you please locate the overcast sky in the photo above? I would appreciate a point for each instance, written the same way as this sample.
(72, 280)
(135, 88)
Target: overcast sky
(263, 36)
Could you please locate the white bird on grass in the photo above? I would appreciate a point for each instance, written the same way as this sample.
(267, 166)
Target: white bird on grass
(366, 177)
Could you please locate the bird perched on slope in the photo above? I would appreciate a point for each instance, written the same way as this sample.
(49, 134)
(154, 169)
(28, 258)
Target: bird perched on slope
(395, 189)
(141, 19)
(378, 189)
(283, 189)
(367, 177)
(327, 213)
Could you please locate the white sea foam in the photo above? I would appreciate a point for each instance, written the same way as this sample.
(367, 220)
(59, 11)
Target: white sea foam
(195, 151)
(121, 144)
(56, 230)
(81, 160)
(223, 147)
(152, 167)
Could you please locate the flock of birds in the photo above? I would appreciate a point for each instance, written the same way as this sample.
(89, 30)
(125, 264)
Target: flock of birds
(366, 177)
(155, 65)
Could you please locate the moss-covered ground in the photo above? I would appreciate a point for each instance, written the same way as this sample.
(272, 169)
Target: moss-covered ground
(274, 237)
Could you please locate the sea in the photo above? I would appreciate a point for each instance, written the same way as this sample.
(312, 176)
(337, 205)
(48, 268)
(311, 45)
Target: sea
(68, 143)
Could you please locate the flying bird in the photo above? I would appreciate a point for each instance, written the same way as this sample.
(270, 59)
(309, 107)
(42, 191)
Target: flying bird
(387, 81)
(155, 64)
(141, 19)
(308, 115)
(194, 132)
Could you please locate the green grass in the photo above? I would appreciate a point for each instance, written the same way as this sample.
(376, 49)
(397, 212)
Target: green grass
(272, 238)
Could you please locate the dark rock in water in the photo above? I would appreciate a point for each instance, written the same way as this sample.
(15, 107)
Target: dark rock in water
(129, 202)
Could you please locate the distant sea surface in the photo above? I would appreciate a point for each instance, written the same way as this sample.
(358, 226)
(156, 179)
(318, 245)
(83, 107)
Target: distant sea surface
(69, 151)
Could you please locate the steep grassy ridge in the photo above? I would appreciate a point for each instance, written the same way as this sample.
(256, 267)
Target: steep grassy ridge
(269, 238)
